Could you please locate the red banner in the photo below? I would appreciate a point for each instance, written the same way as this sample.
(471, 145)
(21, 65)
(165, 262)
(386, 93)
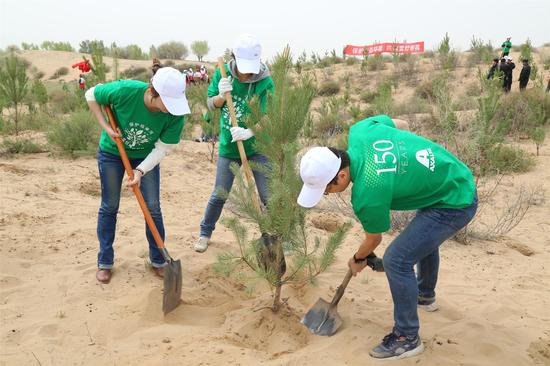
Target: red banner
(375, 49)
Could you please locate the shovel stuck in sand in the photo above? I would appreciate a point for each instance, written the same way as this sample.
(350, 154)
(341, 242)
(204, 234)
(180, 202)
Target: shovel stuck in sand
(323, 318)
(172, 271)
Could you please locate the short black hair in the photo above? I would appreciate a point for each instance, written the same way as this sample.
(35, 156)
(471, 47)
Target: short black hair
(344, 162)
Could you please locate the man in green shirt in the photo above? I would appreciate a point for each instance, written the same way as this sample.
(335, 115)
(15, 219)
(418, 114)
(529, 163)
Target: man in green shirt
(393, 169)
(506, 46)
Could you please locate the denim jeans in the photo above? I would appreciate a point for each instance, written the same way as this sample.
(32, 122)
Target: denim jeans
(418, 244)
(222, 186)
(111, 173)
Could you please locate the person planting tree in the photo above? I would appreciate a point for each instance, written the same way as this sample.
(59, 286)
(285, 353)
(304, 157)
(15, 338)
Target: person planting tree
(247, 78)
(394, 169)
(150, 118)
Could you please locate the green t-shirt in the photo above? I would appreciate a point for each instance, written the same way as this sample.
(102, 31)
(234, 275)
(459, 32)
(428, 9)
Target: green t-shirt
(392, 169)
(140, 127)
(241, 94)
(506, 46)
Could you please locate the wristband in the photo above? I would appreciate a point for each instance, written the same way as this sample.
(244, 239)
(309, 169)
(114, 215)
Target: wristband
(358, 260)
(141, 171)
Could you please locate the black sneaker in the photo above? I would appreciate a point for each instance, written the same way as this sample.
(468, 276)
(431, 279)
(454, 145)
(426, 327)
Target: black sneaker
(427, 304)
(394, 347)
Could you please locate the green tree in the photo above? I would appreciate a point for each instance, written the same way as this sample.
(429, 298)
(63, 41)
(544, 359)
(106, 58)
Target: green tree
(526, 52)
(39, 93)
(99, 69)
(200, 49)
(14, 84)
(446, 56)
(277, 137)
(227, 54)
(29, 46)
(173, 50)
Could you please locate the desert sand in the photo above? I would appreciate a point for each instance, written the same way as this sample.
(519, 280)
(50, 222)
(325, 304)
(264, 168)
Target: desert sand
(494, 299)
(494, 296)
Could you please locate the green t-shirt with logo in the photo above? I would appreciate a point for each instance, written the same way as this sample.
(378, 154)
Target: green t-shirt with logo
(506, 46)
(140, 127)
(392, 169)
(241, 94)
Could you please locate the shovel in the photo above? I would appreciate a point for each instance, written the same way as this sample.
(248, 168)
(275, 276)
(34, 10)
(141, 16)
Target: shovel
(172, 271)
(269, 256)
(323, 319)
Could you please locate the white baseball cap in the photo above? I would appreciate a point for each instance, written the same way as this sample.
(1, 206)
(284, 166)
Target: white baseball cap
(170, 84)
(247, 51)
(317, 168)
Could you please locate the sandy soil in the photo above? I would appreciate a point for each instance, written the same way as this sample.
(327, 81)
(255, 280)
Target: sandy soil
(494, 299)
(494, 295)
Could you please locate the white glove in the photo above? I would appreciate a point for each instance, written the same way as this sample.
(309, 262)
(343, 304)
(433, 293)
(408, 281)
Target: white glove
(240, 134)
(225, 86)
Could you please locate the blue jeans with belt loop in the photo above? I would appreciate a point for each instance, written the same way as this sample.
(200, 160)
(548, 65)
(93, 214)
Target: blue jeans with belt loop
(418, 244)
(224, 182)
(111, 173)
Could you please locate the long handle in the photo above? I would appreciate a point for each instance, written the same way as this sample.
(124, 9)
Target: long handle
(135, 188)
(341, 289)
(244, 161)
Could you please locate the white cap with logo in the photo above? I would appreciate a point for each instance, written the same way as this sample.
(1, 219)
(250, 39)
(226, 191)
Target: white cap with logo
(247, 51)
(170, 84)
(317, 168)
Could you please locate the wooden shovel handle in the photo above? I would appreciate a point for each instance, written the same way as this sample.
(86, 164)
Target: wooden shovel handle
(135, 188)
(341, 289)
(244, 161)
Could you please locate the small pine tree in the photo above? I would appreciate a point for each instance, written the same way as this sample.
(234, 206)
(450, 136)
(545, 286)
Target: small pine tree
(99, 69)
(14, 84)
(526, 52)
(283, 222)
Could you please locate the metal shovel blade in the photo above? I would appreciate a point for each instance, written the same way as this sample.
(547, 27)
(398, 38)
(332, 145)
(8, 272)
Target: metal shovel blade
(172, 286)
(322, 319)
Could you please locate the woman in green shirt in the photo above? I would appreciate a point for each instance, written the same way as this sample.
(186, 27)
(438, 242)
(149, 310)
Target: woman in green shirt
(150, 121)
(249, 78)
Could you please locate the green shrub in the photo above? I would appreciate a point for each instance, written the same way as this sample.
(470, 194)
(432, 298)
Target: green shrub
(413, 105)
(376, 63)
(329, 87)
(480, 52)
(39, 121)
(383, 102)
(62, 71)
(80, 132)
(173, 50)
(351, 61)
(136, 73)
(368, 96)
(65, 100)
(447, 58)
(20, 146)
(507, 159)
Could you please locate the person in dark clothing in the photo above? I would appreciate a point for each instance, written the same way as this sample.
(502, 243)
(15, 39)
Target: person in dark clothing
(504, 68)
(509, 76)
(524, 74)
(493, 68)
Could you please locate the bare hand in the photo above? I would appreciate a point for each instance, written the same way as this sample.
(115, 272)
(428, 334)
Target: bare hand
(113, 134)
(356, 267)
(136, 179)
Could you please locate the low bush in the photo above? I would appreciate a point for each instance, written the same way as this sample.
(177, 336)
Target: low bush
(20, 146)
(80, 132)
(328, 88)
(136, 73)
(506, 159)
(62, 71)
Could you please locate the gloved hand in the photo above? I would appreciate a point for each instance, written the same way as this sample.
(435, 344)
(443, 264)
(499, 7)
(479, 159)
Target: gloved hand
(375, 263)
(240, 134)
(225, 86)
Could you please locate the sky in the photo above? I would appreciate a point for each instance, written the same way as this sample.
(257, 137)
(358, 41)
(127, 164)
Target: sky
(311, 26)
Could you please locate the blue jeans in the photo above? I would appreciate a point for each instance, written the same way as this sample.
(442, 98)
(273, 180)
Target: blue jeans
(419, 244)
(111, 173)
(222, 187)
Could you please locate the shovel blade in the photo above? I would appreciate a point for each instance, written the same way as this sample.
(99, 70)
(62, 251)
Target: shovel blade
(172, 286)
(322, 319)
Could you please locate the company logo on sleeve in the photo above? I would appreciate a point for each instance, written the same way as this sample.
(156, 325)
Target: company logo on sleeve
(426, 158)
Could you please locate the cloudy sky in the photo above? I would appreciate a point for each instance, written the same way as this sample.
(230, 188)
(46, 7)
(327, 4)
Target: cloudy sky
(306, 25)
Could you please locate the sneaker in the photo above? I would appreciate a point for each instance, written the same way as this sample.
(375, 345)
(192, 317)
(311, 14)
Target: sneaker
(202, 244)
(394, 347)
(427, 304)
